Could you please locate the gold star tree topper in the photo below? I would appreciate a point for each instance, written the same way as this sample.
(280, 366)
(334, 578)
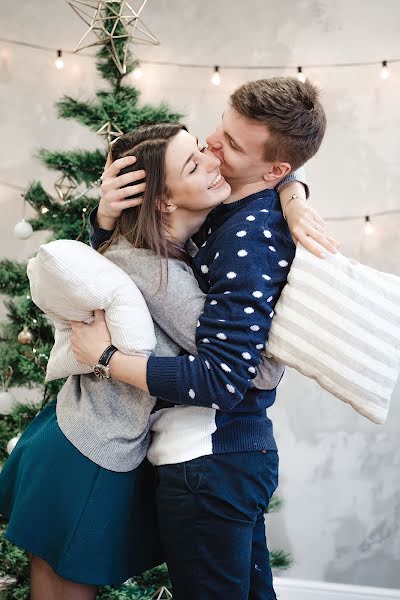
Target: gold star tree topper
(110, 131)
(111, 20)
(162, 594)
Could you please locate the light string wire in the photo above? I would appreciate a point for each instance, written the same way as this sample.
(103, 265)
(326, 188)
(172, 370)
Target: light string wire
(209, 66)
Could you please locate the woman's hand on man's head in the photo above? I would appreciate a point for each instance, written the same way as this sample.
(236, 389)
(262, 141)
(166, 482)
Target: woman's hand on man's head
(114, 194)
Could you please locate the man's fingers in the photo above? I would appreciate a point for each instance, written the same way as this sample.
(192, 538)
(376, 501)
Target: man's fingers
(108, 162)
(131, 190)
(117, 165)
(115, 183)
(124, 204)
(128, 178)
(124, 193)
(99, 315)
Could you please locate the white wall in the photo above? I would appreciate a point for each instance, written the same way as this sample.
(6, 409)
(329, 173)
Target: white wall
(340, 475)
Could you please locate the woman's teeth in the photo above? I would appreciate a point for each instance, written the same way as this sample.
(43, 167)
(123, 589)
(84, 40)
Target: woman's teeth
(215, 181)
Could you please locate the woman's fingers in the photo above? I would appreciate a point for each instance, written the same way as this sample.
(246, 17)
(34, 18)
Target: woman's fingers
(317, 218)
(322, 239)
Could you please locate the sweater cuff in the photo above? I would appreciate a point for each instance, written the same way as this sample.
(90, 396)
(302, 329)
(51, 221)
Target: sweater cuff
(300, 176)
(97, 235)
(162, 379)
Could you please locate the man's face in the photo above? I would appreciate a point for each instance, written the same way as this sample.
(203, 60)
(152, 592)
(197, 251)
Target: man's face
(239, 144)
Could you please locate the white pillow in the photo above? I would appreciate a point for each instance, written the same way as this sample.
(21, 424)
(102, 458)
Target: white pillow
(69, 280)
(338, 322)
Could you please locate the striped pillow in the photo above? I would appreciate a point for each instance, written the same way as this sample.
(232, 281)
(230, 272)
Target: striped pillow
(338, 322)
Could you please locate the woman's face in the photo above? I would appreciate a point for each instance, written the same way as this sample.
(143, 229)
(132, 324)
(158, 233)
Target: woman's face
(193, 177)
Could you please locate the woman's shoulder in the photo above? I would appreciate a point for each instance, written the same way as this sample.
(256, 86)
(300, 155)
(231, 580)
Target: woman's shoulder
(141, 262)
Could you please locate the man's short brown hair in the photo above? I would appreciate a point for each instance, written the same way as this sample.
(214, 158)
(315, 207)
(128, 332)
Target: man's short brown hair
(292, 112)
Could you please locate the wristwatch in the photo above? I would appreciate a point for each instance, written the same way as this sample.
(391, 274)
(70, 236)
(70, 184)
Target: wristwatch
(101, 368)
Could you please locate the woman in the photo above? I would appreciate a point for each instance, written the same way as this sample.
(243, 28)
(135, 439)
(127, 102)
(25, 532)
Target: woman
(85, 518)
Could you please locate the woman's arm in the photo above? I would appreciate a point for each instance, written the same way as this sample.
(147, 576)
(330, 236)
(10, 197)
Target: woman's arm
(305, 224)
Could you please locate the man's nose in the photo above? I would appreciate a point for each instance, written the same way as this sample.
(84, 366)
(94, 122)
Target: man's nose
(214, 141)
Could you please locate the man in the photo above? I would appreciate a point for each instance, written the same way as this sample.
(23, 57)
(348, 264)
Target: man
(215, 451)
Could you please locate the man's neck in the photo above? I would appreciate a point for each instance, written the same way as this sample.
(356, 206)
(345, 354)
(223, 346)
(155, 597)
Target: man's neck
(242, 190)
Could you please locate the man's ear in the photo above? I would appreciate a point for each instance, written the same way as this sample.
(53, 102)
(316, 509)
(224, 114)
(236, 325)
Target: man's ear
(277, 171)
(165, 205)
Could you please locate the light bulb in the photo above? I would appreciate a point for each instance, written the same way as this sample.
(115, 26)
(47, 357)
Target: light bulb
(300, 75)
(385, 73)
(216, 77)
(137, 73)
(44, 210)
(368, 228)
(59, 63)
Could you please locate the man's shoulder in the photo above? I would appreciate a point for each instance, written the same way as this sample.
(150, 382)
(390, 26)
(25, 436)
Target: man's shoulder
(256, 219)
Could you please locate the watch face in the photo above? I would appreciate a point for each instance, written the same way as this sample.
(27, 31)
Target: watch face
(101, 371)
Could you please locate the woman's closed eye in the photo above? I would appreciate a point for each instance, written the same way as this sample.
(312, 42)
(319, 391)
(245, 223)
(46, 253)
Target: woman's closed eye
(195, 164)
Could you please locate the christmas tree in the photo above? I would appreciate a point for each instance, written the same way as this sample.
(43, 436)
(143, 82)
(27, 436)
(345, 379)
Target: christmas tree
(27, 337)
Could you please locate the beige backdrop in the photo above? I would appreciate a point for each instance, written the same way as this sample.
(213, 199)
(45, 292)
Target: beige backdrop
(340, 475)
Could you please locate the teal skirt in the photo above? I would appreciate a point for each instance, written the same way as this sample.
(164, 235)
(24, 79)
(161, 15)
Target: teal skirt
(90, 524)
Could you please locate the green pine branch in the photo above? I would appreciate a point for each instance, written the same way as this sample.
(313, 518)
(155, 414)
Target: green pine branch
(81, 165)
(13, 280)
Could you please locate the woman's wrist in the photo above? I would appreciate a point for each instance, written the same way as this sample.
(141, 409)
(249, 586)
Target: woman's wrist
(293, 201)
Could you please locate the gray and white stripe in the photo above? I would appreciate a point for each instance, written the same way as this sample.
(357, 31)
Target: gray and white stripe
(338, 322)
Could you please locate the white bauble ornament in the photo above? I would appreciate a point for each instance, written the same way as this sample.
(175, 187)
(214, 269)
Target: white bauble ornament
(12, 443)
(25, 336)
(23, 230)
(7, 402)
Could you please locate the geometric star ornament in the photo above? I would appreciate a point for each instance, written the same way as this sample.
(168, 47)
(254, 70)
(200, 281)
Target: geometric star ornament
(110, 131)
(162, 594)
(111, 20)
(65, 186)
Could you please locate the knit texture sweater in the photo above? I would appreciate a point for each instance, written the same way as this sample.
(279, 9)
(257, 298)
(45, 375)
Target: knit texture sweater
(242, 267)
(107, 420)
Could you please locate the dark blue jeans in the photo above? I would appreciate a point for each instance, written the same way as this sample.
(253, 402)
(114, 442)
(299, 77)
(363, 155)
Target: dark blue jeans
(211, 517)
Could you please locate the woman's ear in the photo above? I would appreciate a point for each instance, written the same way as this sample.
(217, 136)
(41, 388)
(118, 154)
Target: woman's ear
(166, 205)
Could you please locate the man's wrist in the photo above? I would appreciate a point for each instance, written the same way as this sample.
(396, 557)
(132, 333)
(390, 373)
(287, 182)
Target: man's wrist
(104, 222)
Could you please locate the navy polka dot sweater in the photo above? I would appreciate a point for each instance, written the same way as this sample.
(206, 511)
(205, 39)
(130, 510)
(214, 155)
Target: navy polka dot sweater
(242, 267)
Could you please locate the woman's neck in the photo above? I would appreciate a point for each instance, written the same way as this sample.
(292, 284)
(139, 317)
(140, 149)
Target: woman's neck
(182, 225)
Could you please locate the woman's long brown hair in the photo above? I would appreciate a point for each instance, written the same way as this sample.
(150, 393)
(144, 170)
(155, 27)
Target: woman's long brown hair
(145, 226)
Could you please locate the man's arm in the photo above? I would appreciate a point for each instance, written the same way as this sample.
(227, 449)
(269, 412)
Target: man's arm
(233, 327)
(99, 233)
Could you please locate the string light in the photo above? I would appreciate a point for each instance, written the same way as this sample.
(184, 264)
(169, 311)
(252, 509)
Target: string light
(59, 63)
(368, 227)
(385, 73)
(208, 66)
(300, 75)
(137, 73)
(216, 76)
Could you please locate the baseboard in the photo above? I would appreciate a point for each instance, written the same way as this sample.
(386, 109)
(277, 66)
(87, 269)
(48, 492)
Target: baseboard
(297, 589)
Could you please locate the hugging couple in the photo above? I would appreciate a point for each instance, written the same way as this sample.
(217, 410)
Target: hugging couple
(79, 493)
